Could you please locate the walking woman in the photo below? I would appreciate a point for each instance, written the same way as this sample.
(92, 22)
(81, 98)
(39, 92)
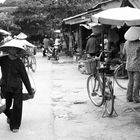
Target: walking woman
(132, 50)
(13, 74)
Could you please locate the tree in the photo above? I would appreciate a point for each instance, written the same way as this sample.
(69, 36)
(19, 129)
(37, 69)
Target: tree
(36, 18)
(44, 16)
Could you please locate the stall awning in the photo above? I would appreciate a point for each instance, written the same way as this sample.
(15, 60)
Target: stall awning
(90, 25)
(80, 18)
(85, 17)
(77, 21)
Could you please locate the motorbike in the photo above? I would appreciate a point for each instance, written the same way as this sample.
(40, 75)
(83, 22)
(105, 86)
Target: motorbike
(51, 52)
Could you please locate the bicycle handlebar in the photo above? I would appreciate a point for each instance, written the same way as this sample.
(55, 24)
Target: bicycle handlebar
(101, 53)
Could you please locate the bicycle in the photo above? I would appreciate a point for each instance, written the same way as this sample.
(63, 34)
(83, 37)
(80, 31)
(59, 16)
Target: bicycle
(120, 73)
(29, 62)
(99, 86)
(120, 76)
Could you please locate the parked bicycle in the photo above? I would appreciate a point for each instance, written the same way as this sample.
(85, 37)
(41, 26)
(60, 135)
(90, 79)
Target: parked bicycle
(120, 76)
(99, 86)
(120, 73)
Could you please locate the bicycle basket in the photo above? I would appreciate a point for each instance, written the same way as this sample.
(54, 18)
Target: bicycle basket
(91, 66)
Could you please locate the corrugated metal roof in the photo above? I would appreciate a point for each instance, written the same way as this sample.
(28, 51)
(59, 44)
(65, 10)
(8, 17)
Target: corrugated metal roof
(80, 18)
(77, 21)
(85, 17)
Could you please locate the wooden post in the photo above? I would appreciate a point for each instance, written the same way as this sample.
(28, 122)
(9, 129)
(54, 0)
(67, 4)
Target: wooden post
(80, 40)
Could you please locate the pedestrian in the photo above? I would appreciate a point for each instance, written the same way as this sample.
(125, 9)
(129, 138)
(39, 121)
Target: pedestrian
(92, 45)
(13, 75)
(58, 43)
(46, 44)
(132, 50)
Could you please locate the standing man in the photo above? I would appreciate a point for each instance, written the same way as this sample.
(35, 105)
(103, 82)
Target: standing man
(92, 46)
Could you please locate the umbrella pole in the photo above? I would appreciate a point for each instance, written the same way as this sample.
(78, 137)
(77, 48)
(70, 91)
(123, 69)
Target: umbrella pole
(102, 40)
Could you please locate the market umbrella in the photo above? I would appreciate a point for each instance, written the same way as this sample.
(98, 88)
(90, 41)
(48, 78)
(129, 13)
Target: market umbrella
(118, 16)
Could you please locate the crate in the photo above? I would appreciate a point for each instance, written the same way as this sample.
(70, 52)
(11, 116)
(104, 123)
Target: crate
(91, 66)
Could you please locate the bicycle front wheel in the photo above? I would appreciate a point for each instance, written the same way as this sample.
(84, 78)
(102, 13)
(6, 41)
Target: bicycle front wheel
(32, 61)
(121, 77)
(94, 90)
(109, 98)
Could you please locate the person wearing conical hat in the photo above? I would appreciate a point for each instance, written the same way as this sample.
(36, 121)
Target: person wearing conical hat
(13, 75)
(93, 45)
(132, 50)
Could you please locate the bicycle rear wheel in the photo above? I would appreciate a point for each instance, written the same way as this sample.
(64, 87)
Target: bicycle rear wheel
(94, 90)
(109, 98)
(121, 77)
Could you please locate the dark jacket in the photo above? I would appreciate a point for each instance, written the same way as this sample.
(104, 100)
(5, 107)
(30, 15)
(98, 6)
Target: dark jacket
(13, 74)
(92, 46)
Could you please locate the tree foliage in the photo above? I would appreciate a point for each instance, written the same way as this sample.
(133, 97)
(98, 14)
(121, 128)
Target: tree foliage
(44, 16)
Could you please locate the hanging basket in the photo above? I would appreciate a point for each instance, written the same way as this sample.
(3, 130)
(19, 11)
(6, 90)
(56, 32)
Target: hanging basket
(27, 96)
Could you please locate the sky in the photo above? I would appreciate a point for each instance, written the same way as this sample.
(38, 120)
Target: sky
(1, 1)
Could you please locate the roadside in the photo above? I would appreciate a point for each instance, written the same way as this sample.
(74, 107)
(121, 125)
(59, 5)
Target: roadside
(76, 118)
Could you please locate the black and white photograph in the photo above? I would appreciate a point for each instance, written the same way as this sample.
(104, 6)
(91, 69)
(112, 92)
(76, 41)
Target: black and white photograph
(69, 69)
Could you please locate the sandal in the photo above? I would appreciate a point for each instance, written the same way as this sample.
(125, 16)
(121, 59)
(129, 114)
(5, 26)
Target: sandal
(15, 130)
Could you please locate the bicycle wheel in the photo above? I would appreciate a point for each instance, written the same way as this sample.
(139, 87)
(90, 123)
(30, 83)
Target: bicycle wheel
(94, 90)
(109, 98)
(32, 63)
(26, 62)
(121, 77)
(115, 62)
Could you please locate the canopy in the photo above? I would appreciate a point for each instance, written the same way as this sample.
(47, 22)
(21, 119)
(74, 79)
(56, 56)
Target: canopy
(118, 16)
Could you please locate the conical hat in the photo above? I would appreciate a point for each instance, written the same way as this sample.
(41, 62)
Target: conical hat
(21, 36)
(132, 34)
(15, 44)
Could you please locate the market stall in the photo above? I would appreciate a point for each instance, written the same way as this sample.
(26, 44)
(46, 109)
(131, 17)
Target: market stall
(117, 20)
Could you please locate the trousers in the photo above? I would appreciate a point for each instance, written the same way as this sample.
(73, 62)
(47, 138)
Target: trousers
(133, 84)
(14, 109)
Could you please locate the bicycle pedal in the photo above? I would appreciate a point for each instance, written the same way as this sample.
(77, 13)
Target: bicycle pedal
(107, 96)
(94, 93)
(114, 97)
